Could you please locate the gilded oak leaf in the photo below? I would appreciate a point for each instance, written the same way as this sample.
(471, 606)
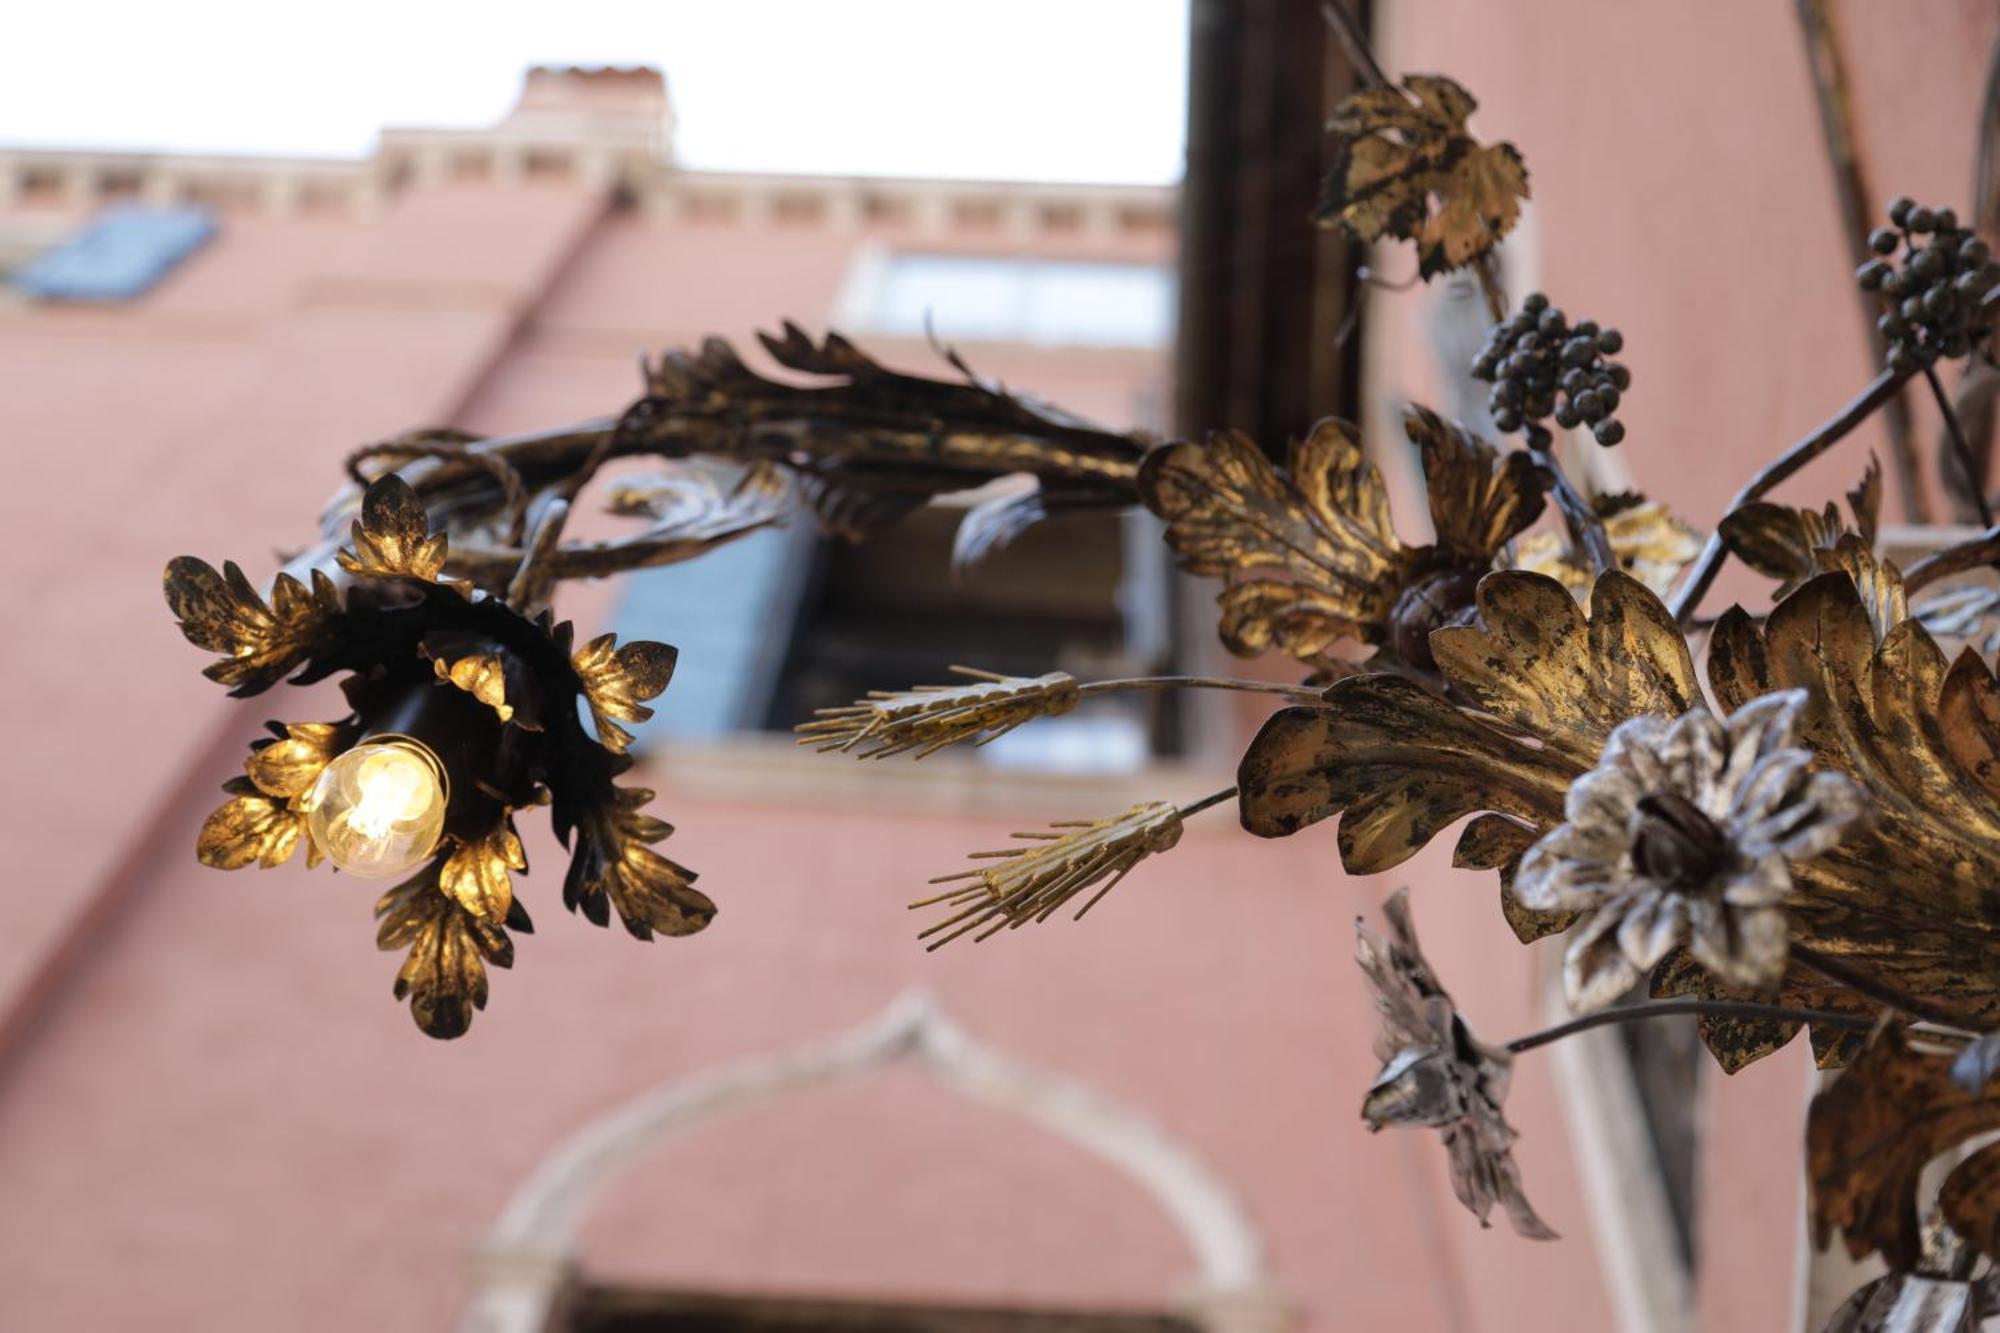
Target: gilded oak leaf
(1404, 166)
(392, 536)
(444, 974)
(617, 680)
(260, 641)
(1308, 553)
(1869, 1138)
(504, 681)
(615, 865)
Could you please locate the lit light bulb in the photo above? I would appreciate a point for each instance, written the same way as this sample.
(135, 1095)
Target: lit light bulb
(378, 810)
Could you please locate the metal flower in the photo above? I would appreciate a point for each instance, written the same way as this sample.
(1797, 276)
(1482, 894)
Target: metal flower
(1436, 1074)
(1683, 832)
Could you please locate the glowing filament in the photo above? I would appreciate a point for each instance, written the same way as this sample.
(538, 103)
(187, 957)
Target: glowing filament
(378, 810)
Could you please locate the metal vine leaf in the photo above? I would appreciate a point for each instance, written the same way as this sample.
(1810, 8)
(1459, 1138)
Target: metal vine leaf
(1792, 545)
(1404, 166)
(1738, 1042)
(1869, 1138)
(251, 828)
(1309, 553)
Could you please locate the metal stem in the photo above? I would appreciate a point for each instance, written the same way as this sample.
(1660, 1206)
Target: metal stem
(1668, 1008)
(1975, 485)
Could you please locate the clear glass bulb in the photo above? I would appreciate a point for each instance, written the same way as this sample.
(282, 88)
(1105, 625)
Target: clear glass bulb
(378, 810)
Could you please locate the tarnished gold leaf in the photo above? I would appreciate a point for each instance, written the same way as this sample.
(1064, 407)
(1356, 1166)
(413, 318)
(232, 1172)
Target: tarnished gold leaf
(481, 675)
(444, 974)
(1970, 1201)
(392, 537)
(1309, 553)
(1495, 842)
(1869, 1137)
(1739, 1042)
(288, 768)
(1030, 883)
(260, 642)
(927, 718)
(1793, 545)
(1879, 712)
(1399, 763)
(1480, 498)
(250, 828)
(1402, 764)
(1534, 661)
(614, 865)
(1398, 149)
(1649, 542)
(475, 874)
(617, 680)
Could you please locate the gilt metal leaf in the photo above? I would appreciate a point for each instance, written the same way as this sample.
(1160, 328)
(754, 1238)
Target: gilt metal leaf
(1404, 166)
(251, 828)
(1649, 543)
(617, 681)
(1309, 554)
(1890, 714)
(1870, 1136)
(260, 641)
(615, 865)
(475, 874)
(1970, 1201)
(449, 949)
(392, 538)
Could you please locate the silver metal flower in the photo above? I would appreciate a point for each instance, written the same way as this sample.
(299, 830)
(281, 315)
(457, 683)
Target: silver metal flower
(1684, 833)
(1435, 1073)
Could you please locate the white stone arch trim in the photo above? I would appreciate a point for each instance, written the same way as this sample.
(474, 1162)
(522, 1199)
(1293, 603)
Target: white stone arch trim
(525, 1260)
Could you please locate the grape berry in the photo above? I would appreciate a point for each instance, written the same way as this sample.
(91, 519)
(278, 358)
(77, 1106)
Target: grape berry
(1932, 297)
(1541, 367)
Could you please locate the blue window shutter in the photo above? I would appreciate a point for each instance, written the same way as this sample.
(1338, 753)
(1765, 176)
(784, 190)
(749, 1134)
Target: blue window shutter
(118, 255)
(730, 614)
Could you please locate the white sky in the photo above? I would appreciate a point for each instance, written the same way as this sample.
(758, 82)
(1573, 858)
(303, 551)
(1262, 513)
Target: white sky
(1014, 89)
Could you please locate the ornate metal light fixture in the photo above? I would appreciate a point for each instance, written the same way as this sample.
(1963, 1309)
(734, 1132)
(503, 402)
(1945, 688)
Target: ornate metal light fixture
(1809, 840)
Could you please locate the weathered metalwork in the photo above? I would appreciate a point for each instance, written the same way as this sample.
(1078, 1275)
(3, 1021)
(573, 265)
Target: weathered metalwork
(1811, 842)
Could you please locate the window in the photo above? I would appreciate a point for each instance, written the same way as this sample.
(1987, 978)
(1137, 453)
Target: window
(1047, 302)
(783, 622)
(119, 255)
